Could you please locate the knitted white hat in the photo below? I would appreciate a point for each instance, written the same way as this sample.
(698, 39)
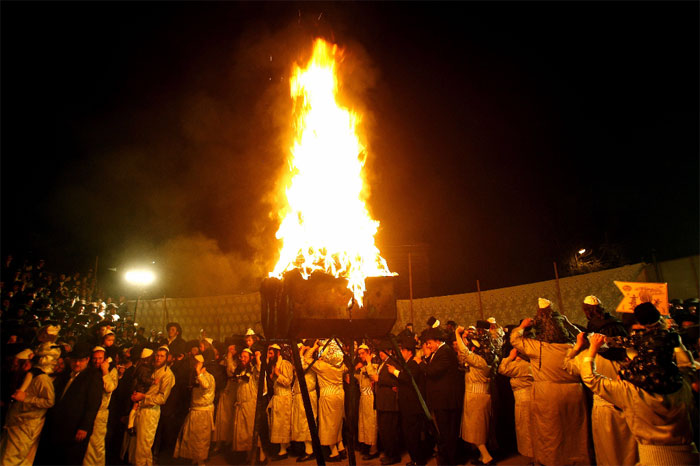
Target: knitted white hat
(25, 354)
(146, 352)
(543, 303)
(98, 348)
(591, 300)
(250, 331)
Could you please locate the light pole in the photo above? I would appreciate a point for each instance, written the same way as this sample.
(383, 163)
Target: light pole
(140, 278)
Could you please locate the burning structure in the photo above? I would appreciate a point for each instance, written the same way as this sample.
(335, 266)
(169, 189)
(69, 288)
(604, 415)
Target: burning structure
(330, 279)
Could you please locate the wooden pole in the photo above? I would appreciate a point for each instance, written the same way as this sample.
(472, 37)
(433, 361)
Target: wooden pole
(694, 268)
(305, 397)
(165, 312)
(556, 276)
(481, 306)
(260, 408)
(352, 415)
(410, 284)
(97, 260)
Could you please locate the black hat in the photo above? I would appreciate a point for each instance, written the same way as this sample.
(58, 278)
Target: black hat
(81, 350)
(433, 334)
(483, 324)
(433, 322)
(384, 346)
(647, 314)
(407, 342)
(176, 325)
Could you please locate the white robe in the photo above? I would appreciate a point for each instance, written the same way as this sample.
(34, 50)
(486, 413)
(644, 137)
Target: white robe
(195, 435)
(95, 453)
(280, 407)
(223, 421)
(148, 416)
(24, 422)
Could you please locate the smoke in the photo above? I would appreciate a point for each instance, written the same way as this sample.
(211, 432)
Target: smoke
(189, 167)
(194, 266)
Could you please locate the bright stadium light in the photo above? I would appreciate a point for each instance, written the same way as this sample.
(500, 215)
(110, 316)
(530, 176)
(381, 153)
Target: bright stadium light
(140, 277)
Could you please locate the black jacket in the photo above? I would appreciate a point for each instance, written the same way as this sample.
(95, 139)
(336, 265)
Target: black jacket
(442, 379)
(385, 398)
(76, 410)
(408, 400)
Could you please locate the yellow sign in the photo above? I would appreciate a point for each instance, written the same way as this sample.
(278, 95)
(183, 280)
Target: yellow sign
(636, 293)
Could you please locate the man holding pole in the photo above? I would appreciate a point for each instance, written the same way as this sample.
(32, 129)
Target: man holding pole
(442, 394)
(412, 415)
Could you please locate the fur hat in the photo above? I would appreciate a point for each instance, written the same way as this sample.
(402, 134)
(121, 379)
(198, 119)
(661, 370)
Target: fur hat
(483, 324)
(433, 322)
(646, 314)
(332, 354)
(550, 326)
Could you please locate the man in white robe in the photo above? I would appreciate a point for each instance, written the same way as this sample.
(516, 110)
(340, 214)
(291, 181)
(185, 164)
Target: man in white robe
(95, 454)
(149, 412)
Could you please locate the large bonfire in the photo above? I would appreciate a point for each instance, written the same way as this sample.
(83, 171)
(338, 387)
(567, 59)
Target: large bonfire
(325, 225)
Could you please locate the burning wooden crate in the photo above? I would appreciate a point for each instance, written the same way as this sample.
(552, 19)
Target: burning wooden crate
(323, 306)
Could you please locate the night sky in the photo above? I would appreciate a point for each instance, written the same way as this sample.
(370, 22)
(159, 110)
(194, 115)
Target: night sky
(504, 136)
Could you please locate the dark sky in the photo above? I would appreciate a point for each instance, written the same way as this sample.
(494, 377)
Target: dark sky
(503, 135)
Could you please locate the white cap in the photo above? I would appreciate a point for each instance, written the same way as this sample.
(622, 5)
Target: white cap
(491, 320)
(25, 354)
(250, 331)
(543, 303)
(275, 346)
(53, 329)
(209, 340)
(164, 347)
(436, 324)
(363, 346)
(592, 300)
(247, 350)
(199, 358)
(146, 352)
(98, 348)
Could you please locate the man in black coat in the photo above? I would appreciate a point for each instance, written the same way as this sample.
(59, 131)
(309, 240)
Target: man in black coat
(386, 401)
(176, 344)
(413, 420)
(441, 390)
(69, 423)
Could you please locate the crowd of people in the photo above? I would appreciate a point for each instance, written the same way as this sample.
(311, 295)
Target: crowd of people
(79, 389)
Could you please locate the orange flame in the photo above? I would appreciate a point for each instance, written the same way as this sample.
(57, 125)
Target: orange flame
(325, 225)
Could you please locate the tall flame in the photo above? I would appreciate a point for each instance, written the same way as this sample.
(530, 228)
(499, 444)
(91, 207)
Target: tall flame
(325, 225)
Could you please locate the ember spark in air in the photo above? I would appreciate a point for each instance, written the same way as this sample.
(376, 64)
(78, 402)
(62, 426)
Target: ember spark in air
(325, 225)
